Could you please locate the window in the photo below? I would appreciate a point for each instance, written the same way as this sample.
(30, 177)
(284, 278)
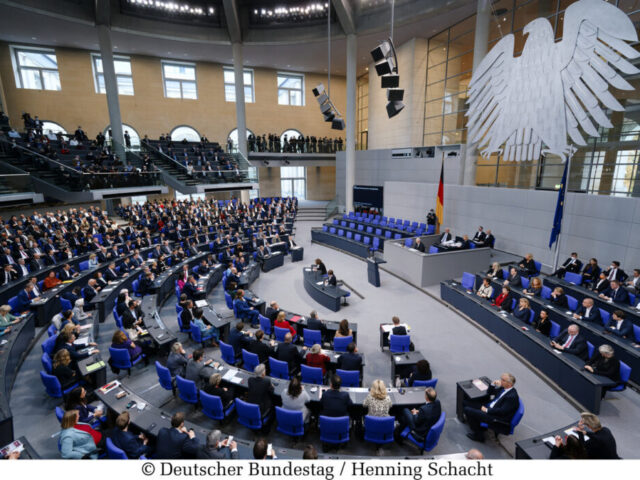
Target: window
(184, 131)
(233, 137)
(52, 127)
(290, 89)
(35, 68)
(230, 85)
(188, 197)
(293, 182)
(179, 80)
(122, 66)
(290, 134)
(139, 199)
(133, 135)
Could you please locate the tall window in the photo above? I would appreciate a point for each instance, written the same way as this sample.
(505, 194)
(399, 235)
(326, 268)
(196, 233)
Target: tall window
(362, 130)
(35, 68)
(290, 89)
(290, 133)
(293, 182)
(184, 131)
(230, 85)
(179, 80)
(233, 137)
(133, 135)
(122, 66)
(52, 127)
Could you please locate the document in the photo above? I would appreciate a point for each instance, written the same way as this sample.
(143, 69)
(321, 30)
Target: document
(82, 342)
(229, 375)
(480, 385)
(551, 441)
(95, 366)
(572, 432)
(201, 303)
(320, 282)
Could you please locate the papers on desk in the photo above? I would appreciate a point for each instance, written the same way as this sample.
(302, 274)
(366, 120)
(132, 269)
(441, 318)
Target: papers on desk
(201, 303)
(480, 385)
(568, 312)
(550, 441)
(110, 386)
(319, 283)
(307, 269)
(398, 358)
(356, 389)
(3, 342)
(85, 327)
(82, 342)
(295, 318)
(15, 446)
(229, 375)
(572, 432)
(95, 366)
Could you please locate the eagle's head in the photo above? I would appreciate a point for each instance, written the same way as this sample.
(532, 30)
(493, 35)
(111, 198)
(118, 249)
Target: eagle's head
(538, 29)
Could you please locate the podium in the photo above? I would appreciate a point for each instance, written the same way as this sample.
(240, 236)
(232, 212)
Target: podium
(373, 272)
(297, 253)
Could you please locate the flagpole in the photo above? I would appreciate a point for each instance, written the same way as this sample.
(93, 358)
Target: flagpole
(557, 251)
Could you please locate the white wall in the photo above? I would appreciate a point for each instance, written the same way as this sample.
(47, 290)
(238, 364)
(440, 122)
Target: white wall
(607, 228)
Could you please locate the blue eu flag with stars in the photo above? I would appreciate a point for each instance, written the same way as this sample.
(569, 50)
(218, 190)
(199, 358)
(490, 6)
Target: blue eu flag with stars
(557, 219)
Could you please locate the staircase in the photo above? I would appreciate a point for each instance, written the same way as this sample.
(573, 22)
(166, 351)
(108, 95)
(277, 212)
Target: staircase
(311, 214)
(170, 167)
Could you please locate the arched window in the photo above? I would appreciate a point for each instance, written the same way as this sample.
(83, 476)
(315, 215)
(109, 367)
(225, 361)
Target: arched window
(289, 133)
(184, 131)
(52, 126)
(133, 134)
(233, 136)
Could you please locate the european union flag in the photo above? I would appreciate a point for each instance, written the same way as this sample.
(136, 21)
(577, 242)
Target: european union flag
(557, 220)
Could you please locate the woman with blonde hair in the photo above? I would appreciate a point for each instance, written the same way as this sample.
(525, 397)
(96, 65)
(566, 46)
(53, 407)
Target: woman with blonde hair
(62, 371)
(378, 402)
(495, 271)
(523, 311)
(78, 440)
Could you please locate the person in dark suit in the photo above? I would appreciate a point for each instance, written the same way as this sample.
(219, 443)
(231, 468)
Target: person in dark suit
(260, 348)
(331, 279)
(314, 323)
(601, 284)
(146, 284)
(480, 235)
(420, 420)
(619, 325)
(133, 445)
(615, 293)
(177, 360)
(111, 273)
(590, 272)
(176, 442)
(196, 365)
(542, 323)
(527, 265)
(504, 300)
(601, 444)
(8, 274)
(587, 311)
(335, 403)
(571, 264)
(614, 272)
(514, 277)
(497, 413)
(570, 341)
(319, 266)
(398, 328)
(633, 284)
(350, 360)
(559, 298)
(489, 240)
(238, 339)
(446, 236)
(604, 362)
(25, 297)
(89, 291)
(186, 316)
(287, 352)
(272, 311)
(191, 289)
(418, 245)
(216, 449)
(260, 390)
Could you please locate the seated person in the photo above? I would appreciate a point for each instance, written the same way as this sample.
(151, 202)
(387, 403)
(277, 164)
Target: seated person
(558, 298)
(378, 403)
(542, 323)
(315, 358)
(343, 329)
(244, 310)
(177, 361)
(214, 387)
(196, 365)
(78, 440)
(281, 322)
(331, 280)
(51, 281)
(66, 375)
(420, 420)
(205, 329)
(601, 284)
(350, 360)
(535, 287)
(571, 264)
(399, 328)
(272, 311)
(216, 449)
(260, 348)
(315, 323)
(619, 325)
(418, 245)
(504, 300)
(527, 265)
(485, 290)
(296, 398)
(134, 446)
(261, 450)
(176, 442)
(335, 403)
(479, 235)
(587, 311)
(615, 293)
(422, 372)
(238, 339)
(320, 267)
(514, 277)
(604, 362)
(596, 439)
(121, 341)
(590, 272)
(633, 284)
(77, 400)
(6, 318)
(191, 289)
(495, 271)
(523, 310)
(569, 449)
(572, 342)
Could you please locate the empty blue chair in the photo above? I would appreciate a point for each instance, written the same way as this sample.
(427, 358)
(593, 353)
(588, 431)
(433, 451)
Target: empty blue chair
(290, 422)
(278, 369)
(632, 299)
(545, 293)
(198, 336)
(136, 288)
(352, 225)
(120, 359)
(343, 223)
(164, 377)
(531, 315)
(604, 316)
(538, 268)
(408, 242)
(340, 344)
(378, 231)
(430, 441)
(468, 280)
(387, 234)
(391, 220)
(625, 373)
(118, 319)
(82, 266)
(472, 245)
(350, 378)
(554, 331)
(113, 452)
(397, 236)
(46, 363)
(187, 390)
(341, 233)
(59, 414)
(426, 383)
(378, 430)
(65, 304)
(228, 301)
(336, 221)
(228, 355)
(51, 331)
(350, 235)
(369, 229)
(375, 246)
(366, 240)
(574, 278)
(512, 424)
(311, 337)
(48, 345)
(433, 249)
(505, 273)
(572, 302)
(212, 407)
(360, 228)
(332, 230)
(431, 229)
(325, 228)
(590, 349)
(334, 430)
(524, 281)
(357, 237)
(311, 375)
(13, 303)
(399, 343)
(250, 361)
(249, 415)
(53, 387)
(265, 325)
(636, 333)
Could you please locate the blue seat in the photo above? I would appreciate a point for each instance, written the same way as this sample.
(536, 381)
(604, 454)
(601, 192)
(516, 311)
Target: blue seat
(59, 414)
(378, 430)
(378, 231)
(51, 331)
(250, 361)
(198, 336)
(311, 375)
(555, 330)
(343, 223)
(45, 359)
(468, 280)
(350, 235)
(399, 343)
(48, 346)
(311, 337)
(350, 378)
(265, 324)
(280, 333)
(369, 229)
(121, 359)
(332, 230)
(340, 344)
(426, 383)
(431, 229)
(513, 423)
(228, 355)
(357, 237)
(366, 240)
(532, 314)
(604, 316)
(408, 242)
(65, 304)
(341, 233)
(545, 293)
(524, 281)
(82, 266)
(164, 378)
(250, 416)
(212, 407)
(325, 228)
(636, 333)
(118, 318)
(590, 349)
(278, 369)
(290, 422)
(397, 236)
(573, 303)
(113, 452)
(352, 226)
(574, 278)
(187, 390)
(53, 387)
(430, 441)
(334, 430)
(538, 269)
(625, 373)
(360, 228)
(387, 234)
(433, 249)
(228, 301)
(632, 299)
(136, 288)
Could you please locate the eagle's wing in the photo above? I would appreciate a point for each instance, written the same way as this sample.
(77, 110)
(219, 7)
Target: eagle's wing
(593, 40)
(487, 93)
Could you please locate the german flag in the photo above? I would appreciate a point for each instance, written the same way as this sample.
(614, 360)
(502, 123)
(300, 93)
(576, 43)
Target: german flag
(440, 199)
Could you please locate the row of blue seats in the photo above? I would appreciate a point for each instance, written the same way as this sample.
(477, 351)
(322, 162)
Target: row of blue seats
(354, 223)
(375, 244)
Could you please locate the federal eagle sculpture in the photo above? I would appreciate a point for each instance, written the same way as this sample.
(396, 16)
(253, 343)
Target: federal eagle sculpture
(533, 103)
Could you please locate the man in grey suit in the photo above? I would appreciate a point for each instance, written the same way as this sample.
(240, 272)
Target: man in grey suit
(216, 449)
(196, 365)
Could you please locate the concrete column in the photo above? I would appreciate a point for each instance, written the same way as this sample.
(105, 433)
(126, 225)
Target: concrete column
(111, 86)
(480, 47)
(241, 122)
(350, 175)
